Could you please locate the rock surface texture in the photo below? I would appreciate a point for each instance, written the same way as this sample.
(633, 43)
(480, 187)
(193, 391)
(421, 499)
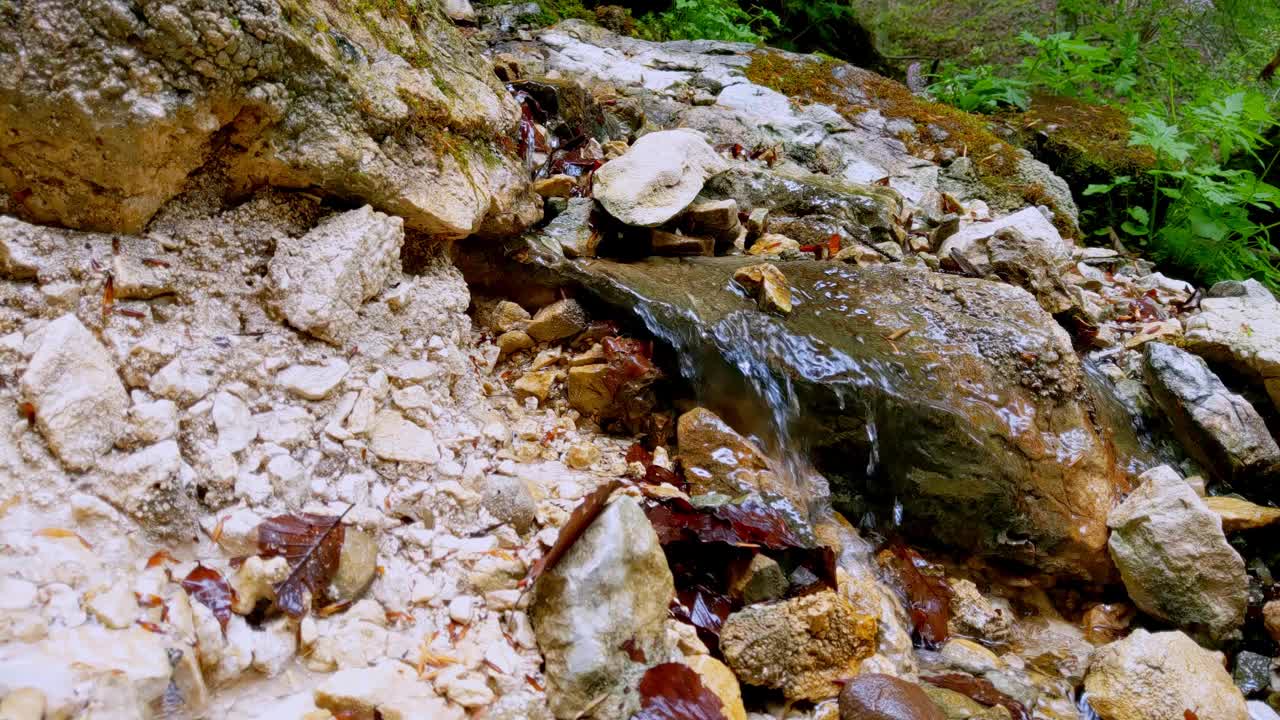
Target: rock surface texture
(1239, 326)
(1161, 675)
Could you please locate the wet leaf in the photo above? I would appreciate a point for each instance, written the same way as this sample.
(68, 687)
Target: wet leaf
(746, 523)
(704, 609)
(207, 587)
(638, 453)
(980, 691)
(57, 532)
(657, 475)
(108, 295)
(674, 691)
(313, 545)
(633, 651)
(1189, 715)
(928, 596)
(579, 520)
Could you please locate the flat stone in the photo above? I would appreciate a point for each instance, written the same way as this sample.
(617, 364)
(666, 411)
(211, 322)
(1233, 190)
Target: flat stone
(390, 689)
(1239, 326)
(80, 403)
(767, 284)
(669, 243)
(536, 384)
(136, 280)
(1216, 427)
(715, 217)
(1175, 560)
(558, 321)
(394, 438)
(314, 382)
(114, 606)
(1161, 675)
(657, 178)
(1240, 514)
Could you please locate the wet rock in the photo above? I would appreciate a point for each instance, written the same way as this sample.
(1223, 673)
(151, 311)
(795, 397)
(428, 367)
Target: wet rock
(883, 697)
(773, 244)
(1240, 514)
(571, 230)
(719, 679)
(357, 566)
(668, 243)
(799, 646)
(319, 281)
(1035, 240)
(657, 178)
(909, 345)
(79, 401)
(307, 111)
(956, 706)
(1252, 672)
(1239, 326)
(1161, 675)
(589, 391)
(390, 689)
(718, 218)
(394, 437)
(718, 459)
(611, 589)
(974, 615)
(1175, 560)
(758, 579)
(558, 321)
(767, 285)
(1218, 428)
(561, 186)
(313, 382)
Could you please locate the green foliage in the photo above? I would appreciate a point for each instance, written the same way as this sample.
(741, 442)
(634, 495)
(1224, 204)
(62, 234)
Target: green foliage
(1066, 65)
(979, 89)
(712, 20)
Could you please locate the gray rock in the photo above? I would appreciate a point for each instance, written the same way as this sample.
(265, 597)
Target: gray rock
(612, 588)
(1029, 264)
(1034, 231)
(1216, 427)
(1259, 710)
(319, 281)
(1252, 672)
(1161, 675)
(571, 230)
(657, 178)
(1239, 326)
(80, 403)
(508, 499)
(1175, 560)
(357, 565)
(398, 114)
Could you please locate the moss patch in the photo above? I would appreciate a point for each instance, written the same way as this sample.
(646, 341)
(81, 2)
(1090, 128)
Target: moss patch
(852, 91)
(1086, 143)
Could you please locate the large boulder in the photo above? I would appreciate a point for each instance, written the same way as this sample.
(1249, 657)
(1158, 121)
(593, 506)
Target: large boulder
(1161, 675)
(108, 107)
(1218, 428)
(961, 398)
(1239, 326)
(1175, 560)
(605, 601)
(657, 178)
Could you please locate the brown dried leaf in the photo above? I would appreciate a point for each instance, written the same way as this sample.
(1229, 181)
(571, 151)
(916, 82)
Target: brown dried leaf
(313, 545)
(207, 587)
(159, 557)
(57, 532)
(581, 518)
(674, 691)
(928, 596)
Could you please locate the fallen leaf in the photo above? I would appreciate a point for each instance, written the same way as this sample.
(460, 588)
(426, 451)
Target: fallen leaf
(579, 520)
(159, 557)
(207, 587)
(674, 691)
(313, 545)
(57, 532)
(633, 651)
(928, 596)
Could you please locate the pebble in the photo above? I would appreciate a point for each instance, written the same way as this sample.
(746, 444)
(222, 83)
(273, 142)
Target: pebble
(314, 382)
(558, 321)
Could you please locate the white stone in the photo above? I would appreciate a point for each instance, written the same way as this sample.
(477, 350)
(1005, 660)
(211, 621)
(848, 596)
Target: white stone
(459, 11)
(391, 689)
(392, 437)
(314, 382)
(288, 426)
(470, 690)
(16, 594)
(971, 240)
(155, 421)
(658, 177)
(113, 605)
(462, 609)
(80, 402)
(320, 280)
(180, 382)
(234, 422)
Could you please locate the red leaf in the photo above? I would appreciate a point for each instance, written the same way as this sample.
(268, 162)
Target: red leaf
(746, 523)
(673, 691)
(705, 610)
(928, 596)
(313, 545)
(656, 475)
(159, 557)
(579, 520)
(833, 245)
(633, 651)
(638, 453)
(207, 587)
(980, 691)
(1189, 715)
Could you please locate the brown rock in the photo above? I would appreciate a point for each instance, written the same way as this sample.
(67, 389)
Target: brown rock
(884, 697)
(757, 580)
(719, 679)
(768, 285)
(718, 218)
(1240, 514)
(536, 384)
(773, 244)
(665, 243)
(717, 459)
(557, 321)
(1271, 617)
(561, 186)
(514, 341)
(589, 394)
(800, 646)
(507, 316)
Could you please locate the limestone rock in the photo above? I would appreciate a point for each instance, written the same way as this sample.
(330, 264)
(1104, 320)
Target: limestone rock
(314, 382)
(767, 284)
(560, 186)
(1161, 675)
(319, 281)
(255, 580)
(18, 258)
(1175, 561)
(395, 438)
(357, 565)
(557, 321)
(773, 244)
(390, 689)
(114, 606)
(536, 384)
(234, 422)
(1239, 326)
(1218, 428)
(718, 218)
(25, 703)
(399, 114)
(589, 394)
(80, 402)
(720, 680)
(1033, 264)
(883, 697)
(1240, 514)
(799, 646)
(508, 499)
(972, 242)
(135, 280)
(718, 459)
(571, 230)
(612, 588)
(459, 11)
(657, 178)
(514, 341)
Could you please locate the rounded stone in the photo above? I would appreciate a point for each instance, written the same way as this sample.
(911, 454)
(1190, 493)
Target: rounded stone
(356, 565)
(884, 697)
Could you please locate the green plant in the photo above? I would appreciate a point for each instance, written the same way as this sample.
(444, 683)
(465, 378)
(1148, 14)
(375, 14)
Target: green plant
(1066, 65)
(978, 89)
(711, 20)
